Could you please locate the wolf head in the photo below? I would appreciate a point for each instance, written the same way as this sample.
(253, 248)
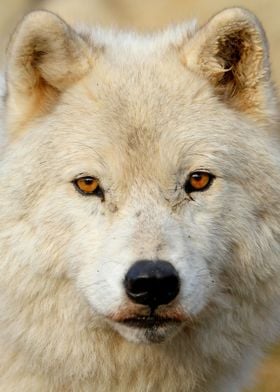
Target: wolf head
(142, 169)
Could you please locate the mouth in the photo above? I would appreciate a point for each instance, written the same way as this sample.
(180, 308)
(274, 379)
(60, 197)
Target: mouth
(149, 322)
(142, 325)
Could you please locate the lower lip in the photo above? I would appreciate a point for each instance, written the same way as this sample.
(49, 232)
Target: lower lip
(149, 322)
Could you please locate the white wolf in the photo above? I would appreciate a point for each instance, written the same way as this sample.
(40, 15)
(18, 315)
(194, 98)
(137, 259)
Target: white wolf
(140, 208)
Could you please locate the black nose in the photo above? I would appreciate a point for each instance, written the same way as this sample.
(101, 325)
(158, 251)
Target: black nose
(152, 283)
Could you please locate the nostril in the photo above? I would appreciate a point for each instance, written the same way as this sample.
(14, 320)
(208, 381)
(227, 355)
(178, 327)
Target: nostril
(152, 283)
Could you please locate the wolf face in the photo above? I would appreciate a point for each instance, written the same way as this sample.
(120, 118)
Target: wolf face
(140, 168)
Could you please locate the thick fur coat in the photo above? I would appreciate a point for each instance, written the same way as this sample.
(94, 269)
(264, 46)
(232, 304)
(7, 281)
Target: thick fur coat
(143, 117)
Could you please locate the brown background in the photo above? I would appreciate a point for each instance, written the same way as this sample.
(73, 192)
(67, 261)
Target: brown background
(146, 15)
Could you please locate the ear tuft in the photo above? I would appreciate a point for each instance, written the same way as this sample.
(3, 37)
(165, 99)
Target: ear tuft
(231, 51)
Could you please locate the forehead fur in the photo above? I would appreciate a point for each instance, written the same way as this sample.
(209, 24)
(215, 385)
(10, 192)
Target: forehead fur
(135, 45)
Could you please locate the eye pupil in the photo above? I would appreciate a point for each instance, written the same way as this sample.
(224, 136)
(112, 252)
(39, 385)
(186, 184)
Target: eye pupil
(197, 177)
(88, 181)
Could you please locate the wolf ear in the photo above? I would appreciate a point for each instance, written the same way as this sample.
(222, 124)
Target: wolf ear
(45, 56)
(231, 51)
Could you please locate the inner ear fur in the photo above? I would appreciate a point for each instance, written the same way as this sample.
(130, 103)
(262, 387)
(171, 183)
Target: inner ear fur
(45, 56)
(231, 51)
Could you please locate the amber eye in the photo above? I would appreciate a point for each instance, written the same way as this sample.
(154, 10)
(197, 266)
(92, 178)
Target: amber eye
(89, 186)
(198, 181)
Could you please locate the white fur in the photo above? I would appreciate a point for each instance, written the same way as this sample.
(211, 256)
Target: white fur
(141, 121)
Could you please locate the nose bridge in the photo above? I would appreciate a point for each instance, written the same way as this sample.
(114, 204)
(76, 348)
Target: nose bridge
(148, 204)
(150, 220)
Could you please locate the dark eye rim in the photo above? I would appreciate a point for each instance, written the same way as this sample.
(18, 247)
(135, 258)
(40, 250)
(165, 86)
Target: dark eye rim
(98, 192)
(190, 189)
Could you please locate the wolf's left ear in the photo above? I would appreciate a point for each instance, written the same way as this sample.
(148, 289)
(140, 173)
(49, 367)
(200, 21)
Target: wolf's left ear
(45, 56)
(231, 51)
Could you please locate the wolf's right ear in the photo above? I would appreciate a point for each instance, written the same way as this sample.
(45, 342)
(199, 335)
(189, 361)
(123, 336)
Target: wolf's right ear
(45, 56)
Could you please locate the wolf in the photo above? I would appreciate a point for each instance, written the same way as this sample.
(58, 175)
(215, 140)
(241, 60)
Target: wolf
(140, 207)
